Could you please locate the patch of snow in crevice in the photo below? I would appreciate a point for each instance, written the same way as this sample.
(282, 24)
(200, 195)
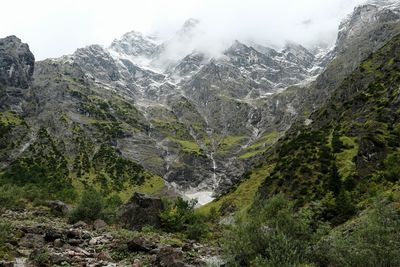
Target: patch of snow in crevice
(203, 197)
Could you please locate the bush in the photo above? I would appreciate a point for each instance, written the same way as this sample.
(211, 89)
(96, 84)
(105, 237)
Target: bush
(372, 240)
(392, 167)
(4, 236)
(11, 197)
(180, 216)
(275, 236)
(89, 208)
(16, 197)
(40, 257)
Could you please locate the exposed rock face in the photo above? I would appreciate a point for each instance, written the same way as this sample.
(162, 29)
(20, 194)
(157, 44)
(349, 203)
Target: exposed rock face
(16, 63)
(141, 210)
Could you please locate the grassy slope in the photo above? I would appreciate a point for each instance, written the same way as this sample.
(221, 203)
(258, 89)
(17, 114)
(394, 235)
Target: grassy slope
(242, 196)
(356, 132)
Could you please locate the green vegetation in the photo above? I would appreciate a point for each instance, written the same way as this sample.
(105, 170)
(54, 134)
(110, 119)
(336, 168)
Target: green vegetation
(345, 159)
(93, 205)
(371, 240)
(9, 118)
(274, 236)
(41, 257)
(180, 216)
(332, 170)
(277, 234)
(260, 146)
(189, 146)
(230, 143)
(5, 232)
(241, 197)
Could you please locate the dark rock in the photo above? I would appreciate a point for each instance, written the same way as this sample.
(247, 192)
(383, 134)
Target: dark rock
(80, 224)
(187, 247)
(6, 264)
(58, 243)
(59, 208)
(99, 225)
(57, 258)
(32, 241)
(37, 229)
(140, 244)
(74, 233)
(53, 234)
(75, 242)
(170, 257)
(104, 256)
(141, 210)
(16, 62)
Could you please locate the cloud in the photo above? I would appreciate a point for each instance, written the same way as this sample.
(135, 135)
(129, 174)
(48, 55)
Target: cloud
(54, 28)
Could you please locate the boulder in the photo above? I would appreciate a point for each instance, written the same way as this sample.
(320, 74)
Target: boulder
(59, 208)
(52, 234)
(141, 210)
(32, 241)
(169, 257)
(58, 258)
(6, 264)
(104, 256)
(140, 244)
(80, 224)
(99, 225)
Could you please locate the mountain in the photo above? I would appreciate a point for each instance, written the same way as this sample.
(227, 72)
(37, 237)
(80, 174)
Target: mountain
(197, 121)
(298, 105)
(329, 192)
(353, 137)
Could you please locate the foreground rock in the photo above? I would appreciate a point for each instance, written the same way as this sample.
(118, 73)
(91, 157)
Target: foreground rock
(140, 244)
(51, 241)
(59, 208)
(141, 210)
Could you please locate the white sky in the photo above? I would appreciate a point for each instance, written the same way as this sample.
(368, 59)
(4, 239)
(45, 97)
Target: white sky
(56, 27)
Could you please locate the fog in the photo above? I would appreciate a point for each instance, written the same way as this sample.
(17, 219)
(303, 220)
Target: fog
(55, 28)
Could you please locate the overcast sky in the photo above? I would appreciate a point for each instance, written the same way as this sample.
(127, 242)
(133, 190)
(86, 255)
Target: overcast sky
(56, 27)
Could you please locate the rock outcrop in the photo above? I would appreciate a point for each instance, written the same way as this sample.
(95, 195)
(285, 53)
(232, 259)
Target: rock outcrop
(141, 210)
(16, 63)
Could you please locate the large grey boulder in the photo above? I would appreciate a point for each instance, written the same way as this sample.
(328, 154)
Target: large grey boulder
(141, 210)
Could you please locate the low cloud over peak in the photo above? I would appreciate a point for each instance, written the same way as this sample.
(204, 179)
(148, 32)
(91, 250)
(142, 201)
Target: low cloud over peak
(56, 28)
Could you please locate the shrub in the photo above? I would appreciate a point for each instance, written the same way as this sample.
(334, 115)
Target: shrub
(275, 236)
(4, 236)
(40, 257)
(11, 197)
(392, 167)
(371, 240)
(179, 216)
(90, 207)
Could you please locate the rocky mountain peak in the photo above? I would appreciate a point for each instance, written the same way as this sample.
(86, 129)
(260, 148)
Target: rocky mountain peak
(299, 54)
(135, 44)
(16, 62)
(189, 25)
(364, 16)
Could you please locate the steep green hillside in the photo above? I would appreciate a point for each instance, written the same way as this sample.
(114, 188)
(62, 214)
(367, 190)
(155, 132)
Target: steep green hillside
(65, 140)
(352, 146)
